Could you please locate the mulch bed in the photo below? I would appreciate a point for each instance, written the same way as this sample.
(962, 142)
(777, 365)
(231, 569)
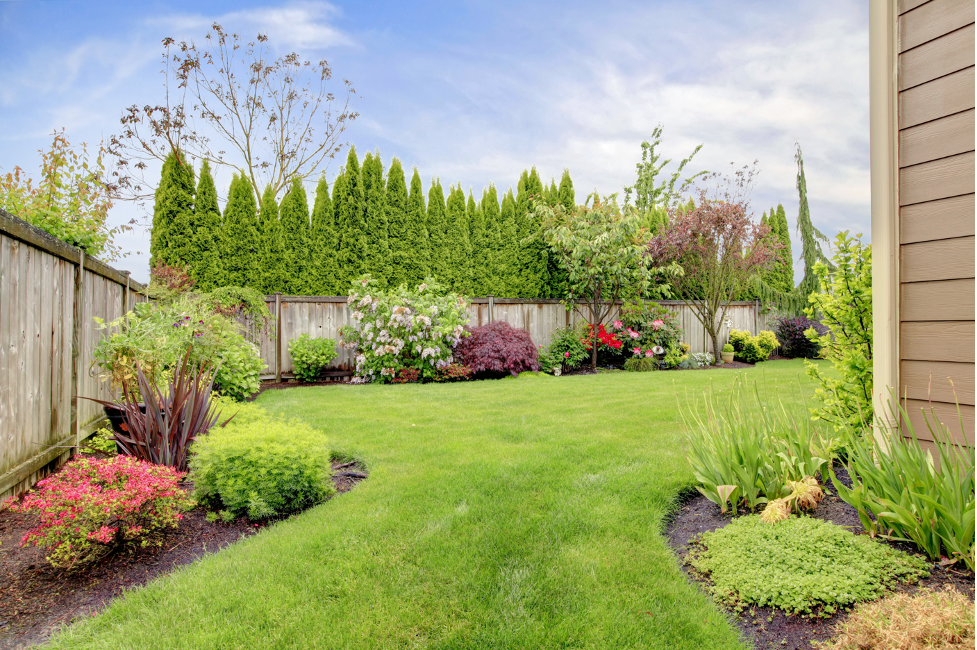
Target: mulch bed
(37, 599)
(766, 627)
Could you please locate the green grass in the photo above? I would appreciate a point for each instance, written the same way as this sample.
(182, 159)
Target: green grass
(498, 514)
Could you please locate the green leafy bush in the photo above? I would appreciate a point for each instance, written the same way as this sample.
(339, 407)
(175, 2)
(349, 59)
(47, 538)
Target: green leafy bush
(260, 467)
(567, 346)
(311, 356)
(843, 303)
(728, 348)
(746, 452)
(801, 565)
(641, 364)
(900, 494)
(752, 349)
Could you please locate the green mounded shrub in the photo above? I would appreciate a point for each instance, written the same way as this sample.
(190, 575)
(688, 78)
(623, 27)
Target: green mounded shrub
(311, 356)
(801, 565)
(728, 348)
(260, 467)
(567, 346)
(752, 349)
(641, 364)
(239, 373)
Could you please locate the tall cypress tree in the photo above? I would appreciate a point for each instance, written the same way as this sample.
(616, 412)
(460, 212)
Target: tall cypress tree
(348, 205)
(509, 252)
(274, 265)
(810, 236)
(207, 271)
(481, 258)
(437, 230)
(568, 198)
(375, 215)
(171, 236)
(533, 260)
(322, 245)
(786, 254)
(400, 230)
(295, 234)
(457, 244)
(241, 257)
(419, 248)
(493, 240)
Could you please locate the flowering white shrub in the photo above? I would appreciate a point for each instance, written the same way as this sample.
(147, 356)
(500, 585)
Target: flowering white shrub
(397, 328)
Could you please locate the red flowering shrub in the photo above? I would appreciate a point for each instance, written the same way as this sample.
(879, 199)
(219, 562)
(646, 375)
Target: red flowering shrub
(453, 372)
(92, 505)
(496, 349)
(407, 376)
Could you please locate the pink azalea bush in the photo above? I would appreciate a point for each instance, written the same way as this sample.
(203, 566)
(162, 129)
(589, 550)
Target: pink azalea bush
(92, 505)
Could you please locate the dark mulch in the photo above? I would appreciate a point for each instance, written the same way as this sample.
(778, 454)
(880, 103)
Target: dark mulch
(36, 599)
(768, 628)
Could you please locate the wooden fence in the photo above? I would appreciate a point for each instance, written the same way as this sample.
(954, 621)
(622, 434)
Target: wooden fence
(322, 316)
(50, 293)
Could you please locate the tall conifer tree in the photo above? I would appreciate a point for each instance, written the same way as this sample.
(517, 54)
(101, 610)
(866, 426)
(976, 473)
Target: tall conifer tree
(568, 198)
(493, 240)
(481, 255)
(400, 232)
(437, 230)
(274, 260)
(510, 249)
(322, 248)
(296, 234)
(241, 258)
(420, 263)
(207, 270)
(348, 204)
(171, 236)
(810, 236)
(786, 254)
(375, 216)
(457, 244)
(533, 261)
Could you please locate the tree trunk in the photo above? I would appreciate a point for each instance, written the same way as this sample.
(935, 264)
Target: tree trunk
(593, 350)
(717, 349)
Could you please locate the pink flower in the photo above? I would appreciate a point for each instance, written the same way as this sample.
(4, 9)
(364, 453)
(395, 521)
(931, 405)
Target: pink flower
(618, 324)
(633, 334)
(649, 353)
(658, 324)
(566, 355)
(636, 350)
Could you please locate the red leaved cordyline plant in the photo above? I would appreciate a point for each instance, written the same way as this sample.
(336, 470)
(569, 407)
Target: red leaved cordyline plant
(172, 420)
(720, 249)
(92, 505)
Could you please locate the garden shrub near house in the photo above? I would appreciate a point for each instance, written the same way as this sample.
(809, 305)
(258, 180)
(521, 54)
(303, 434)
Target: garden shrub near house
(800, 565)
(401, 328)
(753, 349)
(260, 467)
(497, 349)
(311, 356)
(92, 506)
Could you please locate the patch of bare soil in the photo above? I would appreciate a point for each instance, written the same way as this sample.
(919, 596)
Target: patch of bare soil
(37, 599)
(768, 628)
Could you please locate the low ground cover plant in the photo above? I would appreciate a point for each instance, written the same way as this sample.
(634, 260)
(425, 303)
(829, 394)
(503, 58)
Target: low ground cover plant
(260, 466)
(801, 565)
(927, 620)
(901, 494)
(311, 356)
(497, 349)
(402, 328)
(752, 349)
(94, 505)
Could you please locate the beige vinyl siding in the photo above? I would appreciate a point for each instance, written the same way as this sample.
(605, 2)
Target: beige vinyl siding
(936, 214)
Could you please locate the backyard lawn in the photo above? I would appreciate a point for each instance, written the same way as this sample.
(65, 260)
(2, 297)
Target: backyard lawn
(520, 513)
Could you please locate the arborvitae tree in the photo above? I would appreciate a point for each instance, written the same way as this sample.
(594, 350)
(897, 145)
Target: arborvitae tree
(296, 235)
(558, 276)
(533, 260)
(206, 270)
(171, 237)
(481, 258)
(437, 230)
(322, 246)
(493, 241)
(810, 236)
(418, 264)
(375, 214)
(457, 244)
(399, 228)
(348, 205)
(568, 197)
(241, 258)
(273, 272)
(786, 263)
(508, 261)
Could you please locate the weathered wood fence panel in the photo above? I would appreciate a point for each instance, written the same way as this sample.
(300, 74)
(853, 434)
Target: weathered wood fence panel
(322, 316)
(49, 295)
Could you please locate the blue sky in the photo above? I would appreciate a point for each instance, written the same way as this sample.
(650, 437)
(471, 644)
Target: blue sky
(475, 92)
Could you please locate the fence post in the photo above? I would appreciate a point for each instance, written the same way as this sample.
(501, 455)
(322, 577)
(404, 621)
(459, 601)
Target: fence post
(125, 296)
(278, 336)
(491, 308)
(77, 316)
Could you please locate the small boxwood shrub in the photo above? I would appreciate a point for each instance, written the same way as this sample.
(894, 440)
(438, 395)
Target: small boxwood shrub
(260, 467)
(496, 349)
(794, 343)
(311, 356)
(801, 565)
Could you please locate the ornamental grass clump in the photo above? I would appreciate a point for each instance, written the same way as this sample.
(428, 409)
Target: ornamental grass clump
(92, 506)
(801, 565)
(260, 467)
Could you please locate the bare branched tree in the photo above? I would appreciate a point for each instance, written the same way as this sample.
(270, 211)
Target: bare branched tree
(231, 104)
